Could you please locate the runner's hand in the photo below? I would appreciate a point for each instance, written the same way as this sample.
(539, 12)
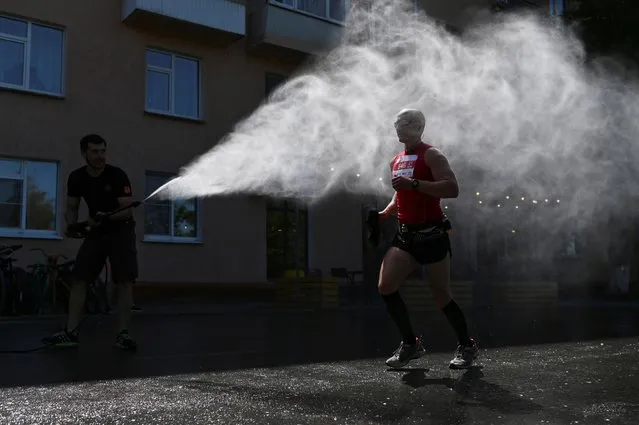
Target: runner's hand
(402, 183)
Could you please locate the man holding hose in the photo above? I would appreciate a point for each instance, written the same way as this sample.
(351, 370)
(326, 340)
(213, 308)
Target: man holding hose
(104, 188)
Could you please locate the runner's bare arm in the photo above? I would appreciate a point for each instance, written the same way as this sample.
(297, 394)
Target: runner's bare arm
(445, 184)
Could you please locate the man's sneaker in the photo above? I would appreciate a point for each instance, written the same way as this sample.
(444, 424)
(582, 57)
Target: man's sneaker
(124, 342)
(62, 339)
(464, 356)
(405, 353)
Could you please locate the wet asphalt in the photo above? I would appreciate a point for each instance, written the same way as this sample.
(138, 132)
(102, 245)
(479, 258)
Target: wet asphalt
(552, 365)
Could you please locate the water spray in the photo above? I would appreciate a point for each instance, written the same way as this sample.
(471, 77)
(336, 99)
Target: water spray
(511, 103)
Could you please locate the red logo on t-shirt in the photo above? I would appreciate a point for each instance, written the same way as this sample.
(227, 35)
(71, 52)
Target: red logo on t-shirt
(127, 189)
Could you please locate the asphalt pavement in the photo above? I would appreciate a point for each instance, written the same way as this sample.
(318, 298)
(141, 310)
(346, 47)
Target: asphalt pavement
(570, 365)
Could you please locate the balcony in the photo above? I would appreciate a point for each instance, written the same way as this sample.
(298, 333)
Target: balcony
(217, 21)
(304, 26)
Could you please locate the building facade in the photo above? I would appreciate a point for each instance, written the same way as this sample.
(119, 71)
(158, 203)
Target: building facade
(162, 81)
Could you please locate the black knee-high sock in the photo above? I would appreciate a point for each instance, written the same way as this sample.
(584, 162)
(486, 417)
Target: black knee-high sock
(399, 313)
(457, 320)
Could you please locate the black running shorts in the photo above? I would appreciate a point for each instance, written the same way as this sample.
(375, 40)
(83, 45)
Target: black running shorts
(426, 246)
(118, 245)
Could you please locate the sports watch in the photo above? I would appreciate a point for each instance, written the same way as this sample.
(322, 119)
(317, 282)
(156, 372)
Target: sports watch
(415, 184)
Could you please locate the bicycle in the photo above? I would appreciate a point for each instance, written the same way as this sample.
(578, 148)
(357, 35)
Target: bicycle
(11, 278)
(53, 279)
(45, 281)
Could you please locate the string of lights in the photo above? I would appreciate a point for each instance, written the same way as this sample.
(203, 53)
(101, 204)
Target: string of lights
(510, 203)
(504, 202)
(501, 203)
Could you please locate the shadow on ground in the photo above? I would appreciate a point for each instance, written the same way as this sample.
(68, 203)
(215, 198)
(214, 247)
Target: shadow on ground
(469, 389)
(475, 391)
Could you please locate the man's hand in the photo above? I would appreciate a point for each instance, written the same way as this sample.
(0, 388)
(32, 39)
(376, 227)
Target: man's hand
(68, 233)
(97, 219)
(402, 183)
(390, 209)
(77, 230)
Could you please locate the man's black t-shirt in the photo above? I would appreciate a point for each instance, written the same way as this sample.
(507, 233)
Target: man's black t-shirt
(101, 193)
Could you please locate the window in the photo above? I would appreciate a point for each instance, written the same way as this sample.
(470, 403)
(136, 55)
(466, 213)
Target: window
(28, 198)
(331, 9)
(167, 220)
(31, 56)
(172, 84)
(556, 7)
(287, 238)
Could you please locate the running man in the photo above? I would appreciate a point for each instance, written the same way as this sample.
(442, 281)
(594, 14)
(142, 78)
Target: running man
(421, 176)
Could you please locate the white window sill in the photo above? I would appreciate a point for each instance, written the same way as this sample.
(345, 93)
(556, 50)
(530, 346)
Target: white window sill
(172, 240)
(29, 234)
(174, 116)
(21, 89)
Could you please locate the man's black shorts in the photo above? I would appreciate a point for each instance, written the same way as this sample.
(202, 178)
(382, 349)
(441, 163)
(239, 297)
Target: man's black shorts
(118, 244)
(425, 244)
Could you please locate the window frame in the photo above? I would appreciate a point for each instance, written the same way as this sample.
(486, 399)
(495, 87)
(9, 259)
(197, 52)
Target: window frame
(197, 239)
(326, 17)
(171, 112)
(23, 232)
(27, 57)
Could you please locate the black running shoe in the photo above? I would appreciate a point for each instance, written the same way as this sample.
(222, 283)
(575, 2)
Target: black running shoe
(62, 339)
(124, 342)
(465, 355)
(405, 353)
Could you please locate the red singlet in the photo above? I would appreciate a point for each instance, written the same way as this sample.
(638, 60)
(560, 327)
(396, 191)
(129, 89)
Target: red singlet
(414, 207)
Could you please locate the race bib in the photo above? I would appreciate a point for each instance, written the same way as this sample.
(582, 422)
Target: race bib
(405, 166)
